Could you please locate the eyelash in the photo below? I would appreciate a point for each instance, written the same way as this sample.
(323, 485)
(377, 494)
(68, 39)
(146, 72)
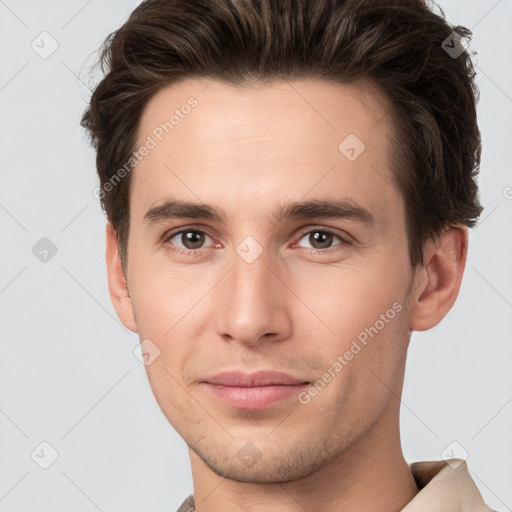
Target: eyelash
(197, 252)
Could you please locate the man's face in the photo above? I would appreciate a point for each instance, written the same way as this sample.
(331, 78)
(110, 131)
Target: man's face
(253, 291)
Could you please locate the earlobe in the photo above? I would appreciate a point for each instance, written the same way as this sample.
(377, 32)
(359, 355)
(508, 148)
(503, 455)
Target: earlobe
(117, 282)
(438, 281)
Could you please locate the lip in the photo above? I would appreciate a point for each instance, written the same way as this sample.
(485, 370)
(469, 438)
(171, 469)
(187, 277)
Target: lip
(261, 378)
(256, 391)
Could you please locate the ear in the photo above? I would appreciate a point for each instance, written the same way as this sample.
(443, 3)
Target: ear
(437, 282)
(117, 283)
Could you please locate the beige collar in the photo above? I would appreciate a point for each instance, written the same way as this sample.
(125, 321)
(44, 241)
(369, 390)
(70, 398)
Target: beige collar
(445, 486)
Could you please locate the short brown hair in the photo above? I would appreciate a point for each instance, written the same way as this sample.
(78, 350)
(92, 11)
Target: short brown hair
(396, 44)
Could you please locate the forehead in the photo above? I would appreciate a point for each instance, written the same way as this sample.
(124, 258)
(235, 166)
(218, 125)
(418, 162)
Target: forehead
(212, 142)
(263, 110)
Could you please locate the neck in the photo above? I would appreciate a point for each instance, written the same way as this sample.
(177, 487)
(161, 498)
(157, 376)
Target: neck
(371, 475)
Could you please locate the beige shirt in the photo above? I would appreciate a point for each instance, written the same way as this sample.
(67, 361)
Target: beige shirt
(445, 486)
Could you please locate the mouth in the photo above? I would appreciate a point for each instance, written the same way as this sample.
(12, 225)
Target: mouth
(255, 391)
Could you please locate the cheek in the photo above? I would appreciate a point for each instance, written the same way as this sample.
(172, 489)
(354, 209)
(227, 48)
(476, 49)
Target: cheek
(368, 365)
(343, 301)
(163, 294)
(365, 324)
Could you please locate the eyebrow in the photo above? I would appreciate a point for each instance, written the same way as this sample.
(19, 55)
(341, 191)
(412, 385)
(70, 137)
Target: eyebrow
(316, 208)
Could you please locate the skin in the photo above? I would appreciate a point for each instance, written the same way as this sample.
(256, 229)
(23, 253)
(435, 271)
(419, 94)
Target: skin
(247, 152)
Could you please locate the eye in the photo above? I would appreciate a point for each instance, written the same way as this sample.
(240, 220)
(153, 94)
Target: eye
(322, 239)
(190, 241)
(187, 239)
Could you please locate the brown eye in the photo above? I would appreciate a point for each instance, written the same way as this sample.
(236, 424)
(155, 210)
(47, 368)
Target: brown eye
(322, 239)
(188, 239)
(192, 239)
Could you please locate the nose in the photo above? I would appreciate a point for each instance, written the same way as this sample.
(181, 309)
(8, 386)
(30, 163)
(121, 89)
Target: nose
(252, 302)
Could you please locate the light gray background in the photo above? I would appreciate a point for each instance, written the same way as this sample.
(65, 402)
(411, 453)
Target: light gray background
(68, 375)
